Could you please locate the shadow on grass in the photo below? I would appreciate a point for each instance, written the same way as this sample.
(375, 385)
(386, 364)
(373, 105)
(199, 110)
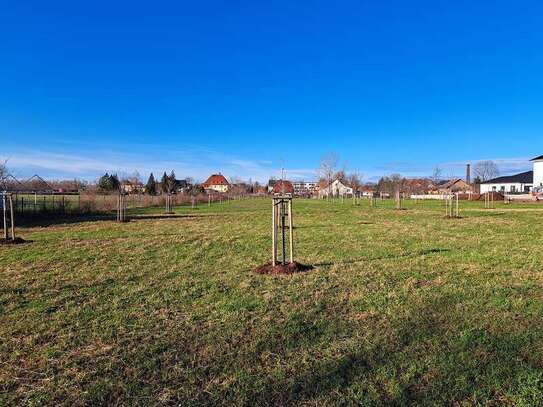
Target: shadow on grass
(481, 213)
(332, 226)
(50, 220)
(451, 356)
(392, 256)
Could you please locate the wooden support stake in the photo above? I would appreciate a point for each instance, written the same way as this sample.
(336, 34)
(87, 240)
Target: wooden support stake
(12, 218)
(4, 209)
(457, 209)
(290, 225)
(274, 234)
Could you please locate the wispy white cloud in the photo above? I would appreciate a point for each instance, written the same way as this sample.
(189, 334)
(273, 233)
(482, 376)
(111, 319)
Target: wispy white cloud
(451, 168)
(197, 164)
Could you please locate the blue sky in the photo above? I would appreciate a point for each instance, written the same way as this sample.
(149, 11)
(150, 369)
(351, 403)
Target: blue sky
(248, 87)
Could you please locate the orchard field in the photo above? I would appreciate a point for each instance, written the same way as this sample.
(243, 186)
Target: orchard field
(402, 307)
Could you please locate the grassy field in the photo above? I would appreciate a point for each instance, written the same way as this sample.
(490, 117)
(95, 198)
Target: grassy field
(403, 307)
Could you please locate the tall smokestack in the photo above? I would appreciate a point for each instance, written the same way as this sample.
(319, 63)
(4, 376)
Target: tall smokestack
(468, 174)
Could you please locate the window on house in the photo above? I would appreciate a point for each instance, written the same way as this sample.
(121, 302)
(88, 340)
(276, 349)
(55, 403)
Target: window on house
(494, 189)
(513, 188)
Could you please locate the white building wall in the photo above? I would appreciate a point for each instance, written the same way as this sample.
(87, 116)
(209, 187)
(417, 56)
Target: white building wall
(508, 188)
(218, 188)
(538, 173)
(336, 188)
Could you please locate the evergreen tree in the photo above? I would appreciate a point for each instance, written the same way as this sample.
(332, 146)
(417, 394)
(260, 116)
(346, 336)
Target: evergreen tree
(104, 182)
(172, 182)
(114, 182)
(109, 183)
(165, 180)
(150, 187)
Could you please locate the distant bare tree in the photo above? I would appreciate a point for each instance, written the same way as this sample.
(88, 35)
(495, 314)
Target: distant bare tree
(354, 179)
(391, 184)
(486, 170)
(327, 168)
(437, 174)
(397, 181)
(3, 169)
(133, 178)
(234, 180)
(342, 176)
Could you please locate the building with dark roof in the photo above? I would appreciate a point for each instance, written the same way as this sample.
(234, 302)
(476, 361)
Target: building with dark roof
(522, 178)
(525, 182)
(518, 183)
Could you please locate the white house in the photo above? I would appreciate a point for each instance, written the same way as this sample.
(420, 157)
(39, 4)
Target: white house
(538, 173)
(216, 182)
(512, 184)
(336, 188)
(525, 182)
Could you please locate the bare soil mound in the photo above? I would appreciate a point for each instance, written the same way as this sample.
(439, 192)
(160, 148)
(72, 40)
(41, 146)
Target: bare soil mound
(17, 240)
(495, 196)
(289, 268)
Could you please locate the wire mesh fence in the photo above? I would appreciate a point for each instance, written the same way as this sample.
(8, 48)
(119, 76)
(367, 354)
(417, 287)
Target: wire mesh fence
(38, 205)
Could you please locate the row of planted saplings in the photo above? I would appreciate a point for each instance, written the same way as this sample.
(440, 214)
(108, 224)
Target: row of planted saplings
(169, 203)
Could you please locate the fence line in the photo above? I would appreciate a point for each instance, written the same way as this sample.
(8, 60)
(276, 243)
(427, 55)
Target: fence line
(29, 205)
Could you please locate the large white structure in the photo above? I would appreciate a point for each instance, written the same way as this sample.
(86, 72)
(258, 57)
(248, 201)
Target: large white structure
(305, 187)
(525, 182)
(336, 188)
(538, 172)
(512, 184)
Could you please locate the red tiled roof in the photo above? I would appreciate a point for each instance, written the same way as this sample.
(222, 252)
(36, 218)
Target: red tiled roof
(278, 187)
(216, 179)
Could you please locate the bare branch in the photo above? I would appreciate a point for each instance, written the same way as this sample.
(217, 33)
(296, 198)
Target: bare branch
(486, 170)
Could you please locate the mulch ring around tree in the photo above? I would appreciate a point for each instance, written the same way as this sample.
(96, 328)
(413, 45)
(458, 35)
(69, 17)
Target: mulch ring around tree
(17, 240)
(288, 268)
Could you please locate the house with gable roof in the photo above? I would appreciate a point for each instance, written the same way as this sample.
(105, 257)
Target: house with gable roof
(217, 183)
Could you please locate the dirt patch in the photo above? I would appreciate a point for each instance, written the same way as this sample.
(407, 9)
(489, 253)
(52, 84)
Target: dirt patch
(289, 268)
(17, 240)
(495, 196)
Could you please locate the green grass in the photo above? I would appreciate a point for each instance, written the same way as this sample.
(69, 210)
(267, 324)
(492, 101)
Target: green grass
(403, 307)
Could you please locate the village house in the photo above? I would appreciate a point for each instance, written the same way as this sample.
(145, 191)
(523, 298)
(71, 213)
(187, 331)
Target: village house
(415, 186)
(336, 188)
(512, 184)
(523, 183)
(131, 187)
(367, 191)
(182, 186)
(452, 186)
(217, 183)
(283, 187)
